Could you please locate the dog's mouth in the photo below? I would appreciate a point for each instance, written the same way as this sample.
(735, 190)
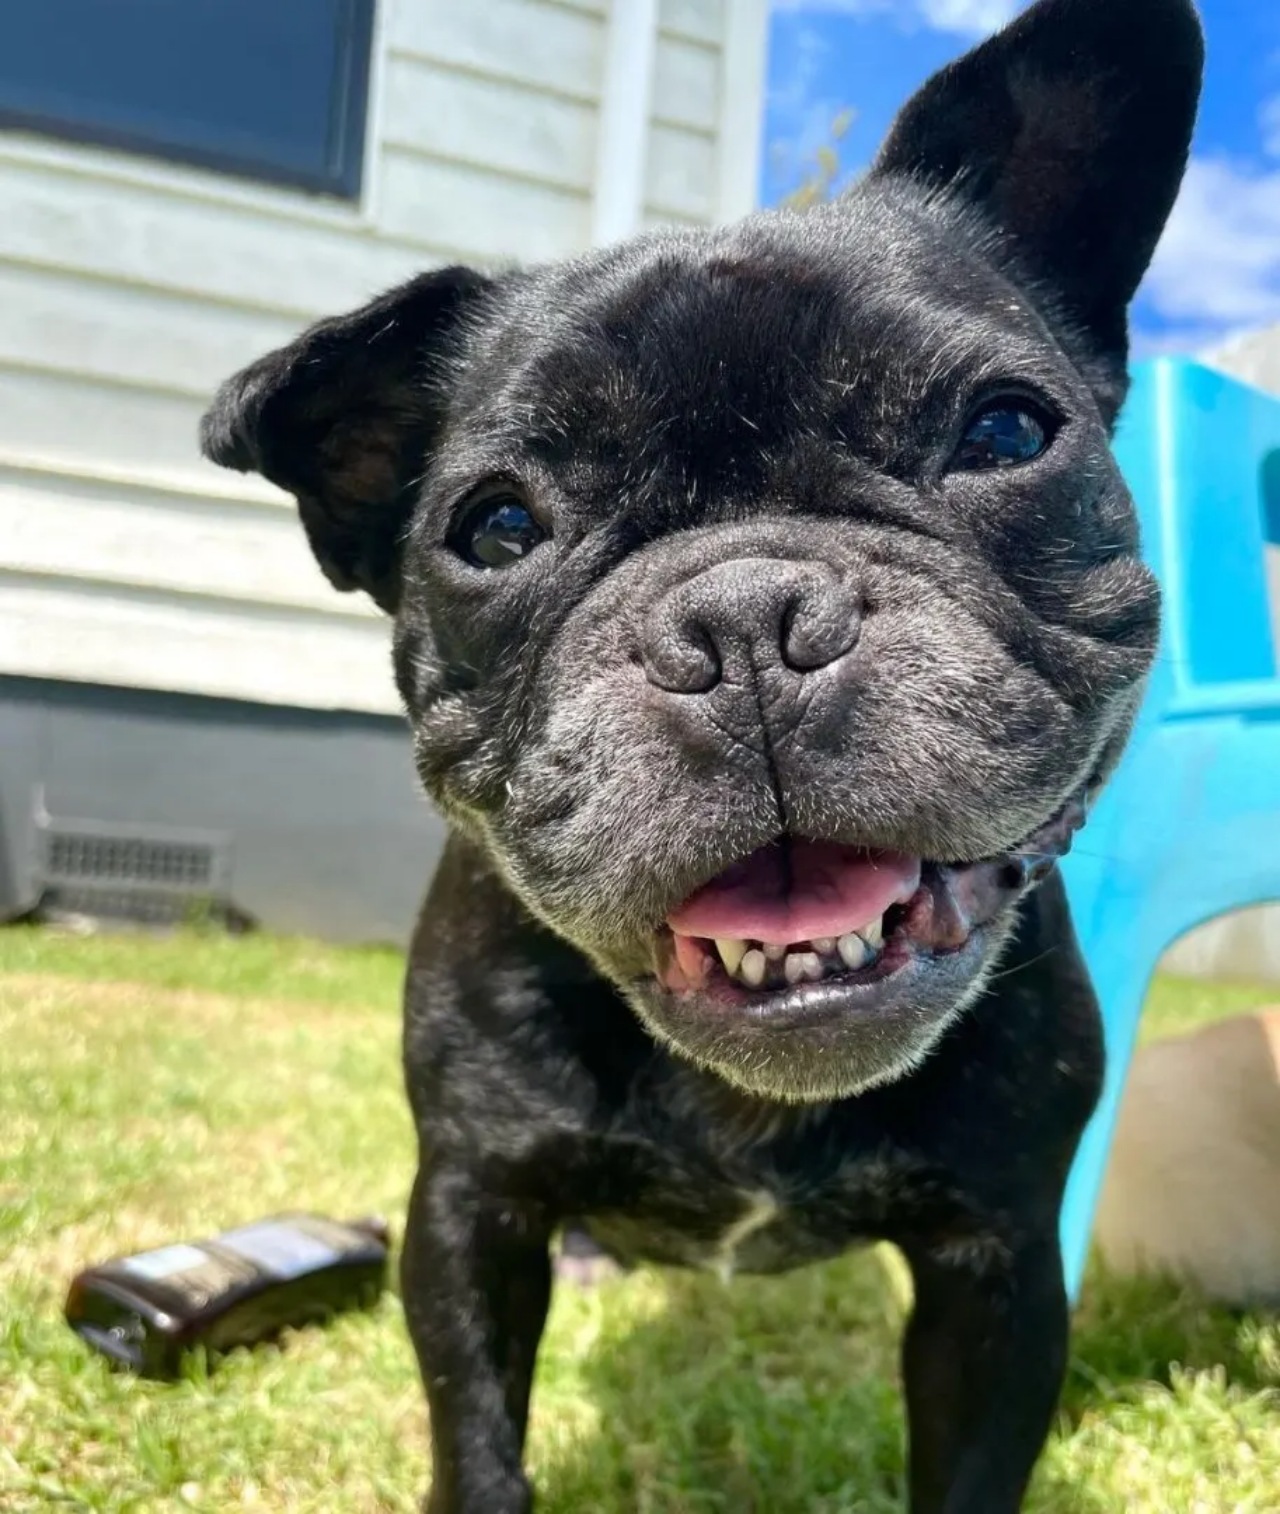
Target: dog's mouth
(800, 913)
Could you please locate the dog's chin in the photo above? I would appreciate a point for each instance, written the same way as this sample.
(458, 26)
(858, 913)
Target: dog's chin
(809, 971)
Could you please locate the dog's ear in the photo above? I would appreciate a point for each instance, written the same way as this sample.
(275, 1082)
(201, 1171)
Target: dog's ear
(1070, 131)
(344, 419)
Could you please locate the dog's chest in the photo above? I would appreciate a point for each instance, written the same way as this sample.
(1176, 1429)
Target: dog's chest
(761, 1212)
(741, 1232)
(748, 1213)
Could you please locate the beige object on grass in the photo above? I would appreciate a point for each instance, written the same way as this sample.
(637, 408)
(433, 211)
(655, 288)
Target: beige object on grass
(1193, 1186)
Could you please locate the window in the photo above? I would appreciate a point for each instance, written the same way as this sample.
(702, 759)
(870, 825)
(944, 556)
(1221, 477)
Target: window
(266, 89)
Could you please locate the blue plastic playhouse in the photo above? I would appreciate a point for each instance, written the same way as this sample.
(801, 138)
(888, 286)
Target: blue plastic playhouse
(1189, 828)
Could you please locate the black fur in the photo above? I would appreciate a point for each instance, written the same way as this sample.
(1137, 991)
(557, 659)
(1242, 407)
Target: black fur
(768, 606)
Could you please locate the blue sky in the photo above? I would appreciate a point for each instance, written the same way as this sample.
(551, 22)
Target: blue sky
(1217, 272)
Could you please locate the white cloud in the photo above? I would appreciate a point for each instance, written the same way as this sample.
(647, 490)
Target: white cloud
(966, 18)
(1180, 341)
(1217, 269)
(970, 17)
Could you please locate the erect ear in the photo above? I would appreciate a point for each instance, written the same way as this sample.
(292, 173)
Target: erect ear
(344, 419)
(1070, 131)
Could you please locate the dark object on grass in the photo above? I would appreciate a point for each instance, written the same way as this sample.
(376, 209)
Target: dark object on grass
(149, 1312)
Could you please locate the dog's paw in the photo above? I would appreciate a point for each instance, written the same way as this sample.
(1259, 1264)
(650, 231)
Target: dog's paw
(582, 1263)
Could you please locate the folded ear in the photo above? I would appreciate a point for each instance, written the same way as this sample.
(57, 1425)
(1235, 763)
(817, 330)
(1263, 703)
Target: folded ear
(344, 419)
(1070, 131)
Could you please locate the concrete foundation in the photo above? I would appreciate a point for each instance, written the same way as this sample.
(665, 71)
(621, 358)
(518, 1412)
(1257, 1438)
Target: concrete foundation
(138, 805)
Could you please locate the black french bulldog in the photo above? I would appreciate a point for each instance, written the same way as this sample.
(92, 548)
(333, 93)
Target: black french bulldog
(767, 607)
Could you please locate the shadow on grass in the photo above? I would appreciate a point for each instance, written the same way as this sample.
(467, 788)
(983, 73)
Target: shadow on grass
(767, 1395)
(782, 1395)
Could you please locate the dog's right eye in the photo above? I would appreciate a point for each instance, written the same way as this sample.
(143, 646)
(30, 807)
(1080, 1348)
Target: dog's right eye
(497, 530)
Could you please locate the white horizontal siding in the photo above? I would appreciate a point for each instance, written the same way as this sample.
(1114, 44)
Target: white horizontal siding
(89, 422)
(492, 124)
(681, 177)
(101, 531)
(130, 289)
(661, 220)
(229, 649)
(155, 237)
(686, 84)
(198, 481)
(553, 47)
(495, 216)
(681, 184)
(123, 334)
(702, 20)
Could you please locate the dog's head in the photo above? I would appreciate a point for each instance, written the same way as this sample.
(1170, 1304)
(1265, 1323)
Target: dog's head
(767, 599)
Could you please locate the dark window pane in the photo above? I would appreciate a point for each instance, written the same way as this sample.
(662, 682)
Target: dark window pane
(273, 89)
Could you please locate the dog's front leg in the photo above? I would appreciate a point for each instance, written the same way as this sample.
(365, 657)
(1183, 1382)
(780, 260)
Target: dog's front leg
(983, 1361)
(477, 1283)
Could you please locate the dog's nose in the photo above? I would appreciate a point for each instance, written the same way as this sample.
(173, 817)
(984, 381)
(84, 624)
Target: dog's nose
(748, 615)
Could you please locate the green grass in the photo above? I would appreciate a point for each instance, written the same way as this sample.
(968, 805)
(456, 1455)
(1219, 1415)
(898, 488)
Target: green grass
(154, 1090)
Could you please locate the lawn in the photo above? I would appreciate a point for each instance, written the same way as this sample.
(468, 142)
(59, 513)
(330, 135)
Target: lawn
(156, 1090)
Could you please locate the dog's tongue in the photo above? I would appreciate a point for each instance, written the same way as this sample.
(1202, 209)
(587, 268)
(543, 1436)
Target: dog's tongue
(796, 891)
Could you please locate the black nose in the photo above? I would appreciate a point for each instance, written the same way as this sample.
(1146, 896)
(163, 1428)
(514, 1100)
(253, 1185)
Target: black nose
(746, 616)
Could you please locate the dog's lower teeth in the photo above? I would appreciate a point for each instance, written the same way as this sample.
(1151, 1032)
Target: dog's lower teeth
(752, 968)
(873, 934)
(801, 965)
(854, 951)
(823, 944)
(773, 951)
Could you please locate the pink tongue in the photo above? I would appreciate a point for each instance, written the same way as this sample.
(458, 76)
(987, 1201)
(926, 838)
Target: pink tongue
(797, 891)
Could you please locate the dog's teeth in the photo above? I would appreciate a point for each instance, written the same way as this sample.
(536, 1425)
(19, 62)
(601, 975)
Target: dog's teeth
(873, 934)
(773, 951)
(823, 944)
(731, 954)
(802, 965)
(854, 951)
(752, 968)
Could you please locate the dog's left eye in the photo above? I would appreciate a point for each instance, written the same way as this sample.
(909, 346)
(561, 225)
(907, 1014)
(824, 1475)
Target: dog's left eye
(1002, 435)
(497, 531)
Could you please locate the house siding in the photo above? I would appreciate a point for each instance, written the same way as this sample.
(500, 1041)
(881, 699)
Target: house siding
(129, 289)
